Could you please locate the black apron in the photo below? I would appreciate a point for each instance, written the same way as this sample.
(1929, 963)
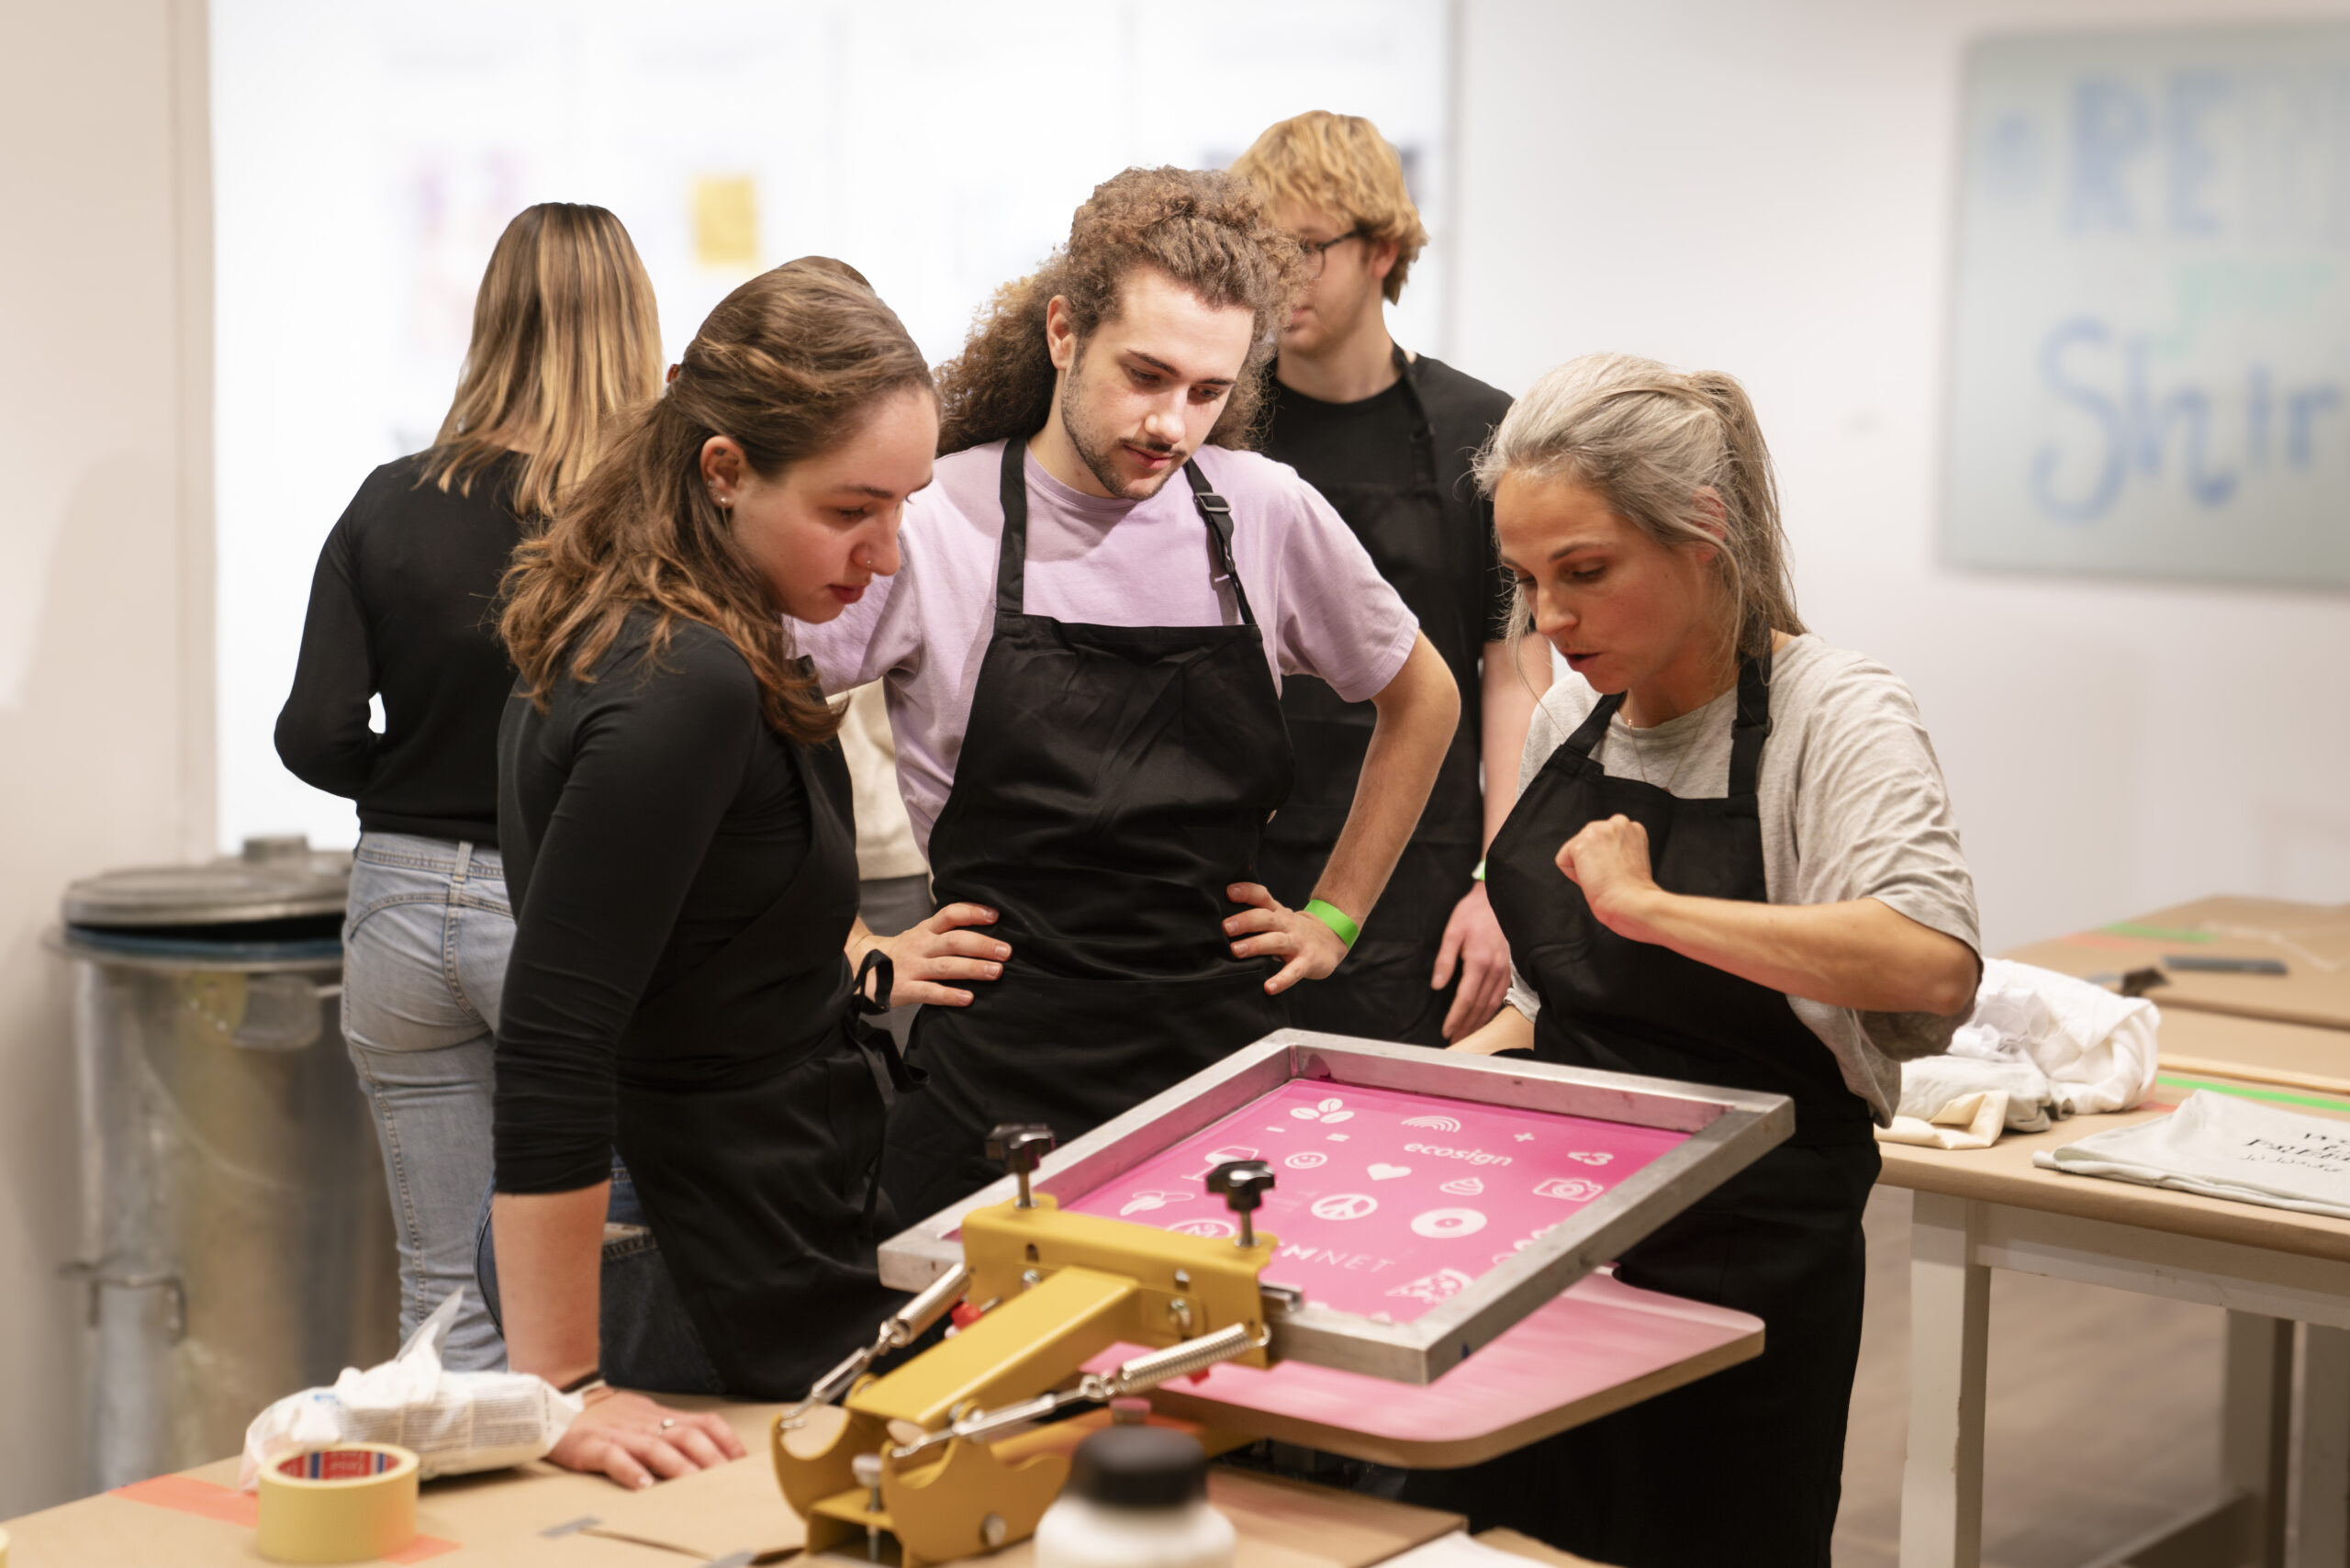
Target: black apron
(757, 1152)
(1381, 991)
(1744, 1466)
(1113, 781)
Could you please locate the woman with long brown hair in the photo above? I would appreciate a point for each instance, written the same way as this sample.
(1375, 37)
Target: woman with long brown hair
(678, 835)
(564, 336)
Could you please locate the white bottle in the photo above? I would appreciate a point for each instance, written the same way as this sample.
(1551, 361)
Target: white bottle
(1137, 1498)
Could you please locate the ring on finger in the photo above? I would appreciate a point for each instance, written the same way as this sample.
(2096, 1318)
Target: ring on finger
(667, 1422)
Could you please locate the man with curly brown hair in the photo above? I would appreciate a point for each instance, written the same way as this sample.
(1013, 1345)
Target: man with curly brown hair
(1083, 662)
(1387, 435)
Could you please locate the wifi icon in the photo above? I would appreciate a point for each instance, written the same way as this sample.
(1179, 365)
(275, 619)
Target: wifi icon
(1435, 1124)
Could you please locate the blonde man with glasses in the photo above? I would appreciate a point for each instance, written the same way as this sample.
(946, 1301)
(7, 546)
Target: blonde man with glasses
(1388, 436)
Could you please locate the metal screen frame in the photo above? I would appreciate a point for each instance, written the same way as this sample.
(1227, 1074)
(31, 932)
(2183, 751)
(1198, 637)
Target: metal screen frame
(1728, 1128)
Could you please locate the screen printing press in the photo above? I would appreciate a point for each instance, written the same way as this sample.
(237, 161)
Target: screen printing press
(1376, 1250)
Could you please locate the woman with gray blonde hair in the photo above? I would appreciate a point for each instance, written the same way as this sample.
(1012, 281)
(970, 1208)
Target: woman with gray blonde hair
(1733, 861)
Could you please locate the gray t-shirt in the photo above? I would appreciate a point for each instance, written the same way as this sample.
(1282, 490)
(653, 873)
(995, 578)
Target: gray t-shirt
(1852, 806)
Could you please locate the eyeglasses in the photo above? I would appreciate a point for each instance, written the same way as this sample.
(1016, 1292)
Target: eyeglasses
(1316, 251)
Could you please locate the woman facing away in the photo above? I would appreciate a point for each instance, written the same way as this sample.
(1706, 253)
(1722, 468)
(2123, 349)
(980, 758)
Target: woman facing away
(403, 606)
(1731, 860)
(678, 833)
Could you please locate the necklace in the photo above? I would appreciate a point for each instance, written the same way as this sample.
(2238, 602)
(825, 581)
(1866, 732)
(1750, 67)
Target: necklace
(1640, 758)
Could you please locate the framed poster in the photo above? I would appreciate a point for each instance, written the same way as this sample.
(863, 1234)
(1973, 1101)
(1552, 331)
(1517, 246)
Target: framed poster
(2149, 353)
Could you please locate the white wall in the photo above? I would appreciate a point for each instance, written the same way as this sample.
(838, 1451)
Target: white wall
(104, 630)
(1768, 189)
(427, 124)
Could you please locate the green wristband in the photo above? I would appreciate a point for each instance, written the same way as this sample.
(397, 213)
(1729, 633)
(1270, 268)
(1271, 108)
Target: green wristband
(1479, 874)
(1334, 917)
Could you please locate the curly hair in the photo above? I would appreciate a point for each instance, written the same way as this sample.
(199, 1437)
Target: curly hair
(789, 365)
(1204, 230)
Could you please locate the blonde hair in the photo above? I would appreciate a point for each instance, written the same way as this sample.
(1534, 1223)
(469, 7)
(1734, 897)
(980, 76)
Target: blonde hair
(1339, 164)
(565, 336)
(1649, 438)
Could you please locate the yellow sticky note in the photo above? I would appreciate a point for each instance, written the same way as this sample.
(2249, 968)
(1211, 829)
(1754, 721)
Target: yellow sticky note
(726, 221)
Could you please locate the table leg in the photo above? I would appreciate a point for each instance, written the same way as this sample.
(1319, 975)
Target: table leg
(2324, 1538)
(1950, 1320)
(2256, 1426)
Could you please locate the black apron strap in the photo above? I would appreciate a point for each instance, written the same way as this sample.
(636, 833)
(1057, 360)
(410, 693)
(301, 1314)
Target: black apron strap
(891, 1073)
(1218, 513)
(1748, 732)
(1587, 734)
(1012, 551)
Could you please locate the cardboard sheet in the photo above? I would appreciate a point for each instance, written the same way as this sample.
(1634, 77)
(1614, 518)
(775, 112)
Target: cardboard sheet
(2312, 941)
(532, 1516)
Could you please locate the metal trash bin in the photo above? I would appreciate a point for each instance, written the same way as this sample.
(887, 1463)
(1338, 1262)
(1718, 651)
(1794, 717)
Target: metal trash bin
(238, 1241)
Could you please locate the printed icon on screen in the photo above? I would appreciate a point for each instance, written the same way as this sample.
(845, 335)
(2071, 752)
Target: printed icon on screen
(1307, 1160)
(1344, 1206)
(1443, 1285)
(1223, 1156)
(1463, 1187)
(1143, 1203)
(1383, 1173)
(1590, 1156)
(1213, 1229)
(1526, 1137)
(1439, 1124)
(1332, 1110)
(1337, 1137)
(1447, 1225)
(1573, 1189)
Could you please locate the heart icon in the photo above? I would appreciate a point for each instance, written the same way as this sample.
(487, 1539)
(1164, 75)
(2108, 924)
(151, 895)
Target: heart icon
(1389, 1173)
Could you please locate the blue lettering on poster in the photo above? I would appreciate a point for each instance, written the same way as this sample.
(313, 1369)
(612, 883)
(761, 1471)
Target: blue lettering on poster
(2149, 353)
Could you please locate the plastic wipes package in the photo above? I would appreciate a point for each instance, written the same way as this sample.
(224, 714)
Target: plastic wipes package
(454, 1421)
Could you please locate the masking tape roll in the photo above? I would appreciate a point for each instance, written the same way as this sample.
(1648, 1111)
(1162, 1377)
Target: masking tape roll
(344, 1503)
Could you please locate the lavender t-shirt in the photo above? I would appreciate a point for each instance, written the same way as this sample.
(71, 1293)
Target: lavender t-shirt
(1323, 607)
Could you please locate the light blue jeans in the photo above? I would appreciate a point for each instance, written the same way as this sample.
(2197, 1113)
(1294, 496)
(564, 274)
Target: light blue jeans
(424, 963)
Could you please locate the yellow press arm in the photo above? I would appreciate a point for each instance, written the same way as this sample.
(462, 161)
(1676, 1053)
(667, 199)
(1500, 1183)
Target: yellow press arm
(1053, 1290)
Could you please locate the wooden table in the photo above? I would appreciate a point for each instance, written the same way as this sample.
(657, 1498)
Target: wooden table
(1982, 1209)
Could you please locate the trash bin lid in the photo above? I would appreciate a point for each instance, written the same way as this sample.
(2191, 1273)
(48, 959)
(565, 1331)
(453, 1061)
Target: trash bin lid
(274, 879)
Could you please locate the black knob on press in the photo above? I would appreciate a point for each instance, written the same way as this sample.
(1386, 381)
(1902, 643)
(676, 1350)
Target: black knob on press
(1244, 1184)
(1017, 1147)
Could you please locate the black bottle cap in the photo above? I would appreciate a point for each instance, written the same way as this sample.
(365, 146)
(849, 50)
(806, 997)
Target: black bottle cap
(1140, 1467)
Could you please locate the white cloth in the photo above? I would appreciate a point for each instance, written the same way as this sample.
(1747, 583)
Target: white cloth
(1970, 1121)
(2049, 1045)
(455, 1422)
(2098, 1048)
(2222, 1147)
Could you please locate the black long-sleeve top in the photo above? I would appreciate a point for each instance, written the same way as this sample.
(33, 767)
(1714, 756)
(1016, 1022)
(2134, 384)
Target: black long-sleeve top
(404, 603)
(645, 819)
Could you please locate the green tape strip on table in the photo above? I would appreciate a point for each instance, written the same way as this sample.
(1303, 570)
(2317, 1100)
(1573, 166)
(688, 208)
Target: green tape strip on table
(2247, 1092)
